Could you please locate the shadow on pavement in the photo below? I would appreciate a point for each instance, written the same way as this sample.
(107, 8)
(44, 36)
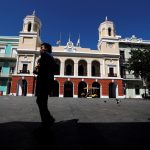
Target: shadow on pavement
(70, 135)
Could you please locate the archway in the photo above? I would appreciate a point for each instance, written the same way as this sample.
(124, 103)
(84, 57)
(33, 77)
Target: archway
(24, 87)
(8, 87)
(21, 88)
(96, 88)
(55, 90)
(95, 68)
(29, 26)
(112, 90)
(81, 89)
(68, 89)
(69, 67)
(57, 72)
(82, 68)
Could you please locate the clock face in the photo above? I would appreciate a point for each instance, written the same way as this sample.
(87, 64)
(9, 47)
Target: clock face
(110, 45)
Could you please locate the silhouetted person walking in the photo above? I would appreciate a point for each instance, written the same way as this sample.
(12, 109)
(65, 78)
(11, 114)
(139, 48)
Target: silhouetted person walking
(45, 79)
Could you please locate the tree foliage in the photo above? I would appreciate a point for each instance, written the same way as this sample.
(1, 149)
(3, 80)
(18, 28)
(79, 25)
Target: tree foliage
(139, 62)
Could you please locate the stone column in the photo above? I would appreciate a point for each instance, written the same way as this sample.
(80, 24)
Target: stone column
(62, 68)
(89, 69)
(118, 69)
(104, 69)
(76, 68)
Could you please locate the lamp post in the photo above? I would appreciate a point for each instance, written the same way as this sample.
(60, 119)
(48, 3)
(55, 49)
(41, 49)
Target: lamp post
(125, 88)
(144, 84)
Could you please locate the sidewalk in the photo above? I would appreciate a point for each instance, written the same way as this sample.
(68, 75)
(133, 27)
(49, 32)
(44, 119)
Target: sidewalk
(103, 124)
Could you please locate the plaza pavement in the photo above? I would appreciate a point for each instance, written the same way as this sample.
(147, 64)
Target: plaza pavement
(102, 124)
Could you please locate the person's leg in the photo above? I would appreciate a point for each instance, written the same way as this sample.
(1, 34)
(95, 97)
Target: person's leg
(46, 118)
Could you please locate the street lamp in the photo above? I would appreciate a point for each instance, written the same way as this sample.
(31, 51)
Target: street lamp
(144, 84)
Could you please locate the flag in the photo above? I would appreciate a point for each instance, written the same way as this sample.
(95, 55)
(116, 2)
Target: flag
(78, 42)
(58, 42)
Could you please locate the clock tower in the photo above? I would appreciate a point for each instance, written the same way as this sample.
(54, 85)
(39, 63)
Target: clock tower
(23, 81)
(108, 40)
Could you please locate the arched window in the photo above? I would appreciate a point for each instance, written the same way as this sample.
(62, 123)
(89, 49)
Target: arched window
(69, 67)
(109, 31)
(82, 68)
(96, 68)
(57, 72)
(29, 26)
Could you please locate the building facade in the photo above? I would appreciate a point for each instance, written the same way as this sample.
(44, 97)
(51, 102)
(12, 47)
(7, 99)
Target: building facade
(134, 86)
(80, 71)
(8, 58)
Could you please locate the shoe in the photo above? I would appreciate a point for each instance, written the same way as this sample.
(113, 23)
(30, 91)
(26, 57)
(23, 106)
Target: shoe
(48, 124)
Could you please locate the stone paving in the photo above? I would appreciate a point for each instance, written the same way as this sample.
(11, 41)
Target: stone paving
(102, 124)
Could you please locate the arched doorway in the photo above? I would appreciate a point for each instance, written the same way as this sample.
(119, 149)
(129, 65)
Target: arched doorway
(8, 87)
(112, 90)
(68, 89)
(24, 87)
(96, 88)
(55, 90)
(81, 89)
(21, 88)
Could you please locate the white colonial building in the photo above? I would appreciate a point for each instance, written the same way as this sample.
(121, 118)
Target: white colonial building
(80, 70)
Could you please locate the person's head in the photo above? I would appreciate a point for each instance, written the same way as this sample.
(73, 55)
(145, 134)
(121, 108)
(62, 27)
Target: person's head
(46, 47)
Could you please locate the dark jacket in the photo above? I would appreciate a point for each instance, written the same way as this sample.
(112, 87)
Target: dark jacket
(45, 76)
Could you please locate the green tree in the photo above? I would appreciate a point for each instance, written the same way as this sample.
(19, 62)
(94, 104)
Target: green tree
(139, 63)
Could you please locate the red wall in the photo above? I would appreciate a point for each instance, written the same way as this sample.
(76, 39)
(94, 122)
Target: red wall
(103, 82)
(30, 83)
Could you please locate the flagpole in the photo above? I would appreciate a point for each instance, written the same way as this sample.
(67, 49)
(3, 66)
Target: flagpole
(59, 41)
(69, 37)
(60, 38)
(78, 41)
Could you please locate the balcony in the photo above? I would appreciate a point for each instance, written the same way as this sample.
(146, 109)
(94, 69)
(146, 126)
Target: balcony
(112, 75)
(8, 57)
(24, 71)
(131, 76)
(5, 75)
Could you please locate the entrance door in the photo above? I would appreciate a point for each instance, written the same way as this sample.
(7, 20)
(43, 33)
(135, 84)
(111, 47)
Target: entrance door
(68, 89)
(21, 88)
(112, 90)
(82, 91)
(55, 90)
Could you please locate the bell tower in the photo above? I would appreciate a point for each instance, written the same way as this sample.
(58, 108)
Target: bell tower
(23, 81)
(107, 29)
(108, 40)
(29, 45)
(29, 37)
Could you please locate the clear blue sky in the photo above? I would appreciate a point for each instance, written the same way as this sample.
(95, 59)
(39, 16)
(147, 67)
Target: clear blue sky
(131, 17)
